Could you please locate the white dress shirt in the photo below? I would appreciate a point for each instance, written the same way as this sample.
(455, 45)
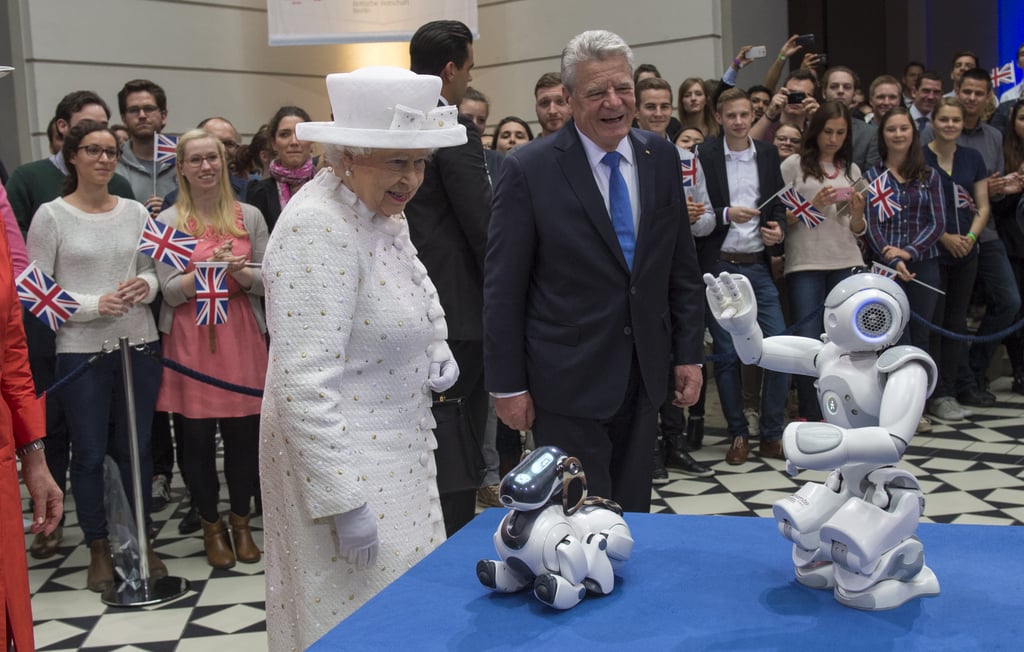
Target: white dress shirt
(744, 190)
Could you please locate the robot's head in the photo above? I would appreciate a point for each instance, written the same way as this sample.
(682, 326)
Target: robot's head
(866, 312)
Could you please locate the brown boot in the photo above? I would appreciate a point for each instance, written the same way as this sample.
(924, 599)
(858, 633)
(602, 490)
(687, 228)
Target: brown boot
(100, 576)
(241, 535)
(218, 548)
(157, 568)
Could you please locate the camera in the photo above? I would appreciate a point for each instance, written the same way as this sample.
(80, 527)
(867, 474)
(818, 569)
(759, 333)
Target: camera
(796, 97)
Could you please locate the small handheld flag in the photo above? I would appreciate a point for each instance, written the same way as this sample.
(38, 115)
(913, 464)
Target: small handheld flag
(689, 171)
(165, 148)
(166, 244)
(802, 209)
(881, 196)
(41, 296)
(889, 272)
(211, 294)
(963, 198)
(1004, 74)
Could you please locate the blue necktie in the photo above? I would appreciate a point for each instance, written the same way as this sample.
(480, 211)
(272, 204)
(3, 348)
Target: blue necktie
(619, 207)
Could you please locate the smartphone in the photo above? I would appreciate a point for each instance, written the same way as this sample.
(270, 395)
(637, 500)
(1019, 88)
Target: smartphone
(805, 40)
(823, 59)
(795, 97)
(843, 194)
(756, 52)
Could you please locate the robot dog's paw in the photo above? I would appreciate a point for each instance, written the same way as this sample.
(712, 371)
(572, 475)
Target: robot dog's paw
(486, 573)
(556, 591)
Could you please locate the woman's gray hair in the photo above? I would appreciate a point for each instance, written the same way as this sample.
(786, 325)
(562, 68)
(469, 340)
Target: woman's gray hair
(592, 45)
(333, 154)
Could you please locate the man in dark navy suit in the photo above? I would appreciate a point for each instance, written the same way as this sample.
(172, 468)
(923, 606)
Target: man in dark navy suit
(591, 286)
(448, 225)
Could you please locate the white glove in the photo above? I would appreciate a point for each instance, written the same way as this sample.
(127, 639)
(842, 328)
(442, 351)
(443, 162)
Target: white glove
(444, 371)
(732, 302)
(357, 537)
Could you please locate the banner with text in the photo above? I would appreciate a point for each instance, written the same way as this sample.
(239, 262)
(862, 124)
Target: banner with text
(320, 22)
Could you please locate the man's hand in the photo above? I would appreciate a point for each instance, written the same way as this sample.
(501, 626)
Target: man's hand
(154, 205)
(742, 214)
(688, 384)
(771, 234)
(516, 412)
(694, 209)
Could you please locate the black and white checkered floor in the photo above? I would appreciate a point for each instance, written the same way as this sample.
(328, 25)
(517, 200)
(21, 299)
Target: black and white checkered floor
(972, 472)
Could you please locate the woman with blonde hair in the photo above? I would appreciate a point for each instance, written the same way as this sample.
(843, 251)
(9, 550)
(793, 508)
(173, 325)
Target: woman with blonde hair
(234, 235)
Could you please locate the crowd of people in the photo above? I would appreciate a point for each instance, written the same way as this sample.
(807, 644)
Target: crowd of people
(547, 283)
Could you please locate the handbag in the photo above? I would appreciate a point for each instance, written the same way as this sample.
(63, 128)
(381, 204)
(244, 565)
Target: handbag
(460, 460)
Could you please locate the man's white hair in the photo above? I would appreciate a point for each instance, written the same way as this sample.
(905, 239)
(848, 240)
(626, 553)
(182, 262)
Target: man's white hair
(592, 45)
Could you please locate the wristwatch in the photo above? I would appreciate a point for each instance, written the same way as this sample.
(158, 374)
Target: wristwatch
(36, 445)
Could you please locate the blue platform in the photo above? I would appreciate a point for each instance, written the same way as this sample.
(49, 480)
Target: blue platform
(700, 583)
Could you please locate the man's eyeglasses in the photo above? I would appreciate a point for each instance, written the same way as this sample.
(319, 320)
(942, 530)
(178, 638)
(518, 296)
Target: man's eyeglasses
(95, 151)
(197, 160)
(138, 110)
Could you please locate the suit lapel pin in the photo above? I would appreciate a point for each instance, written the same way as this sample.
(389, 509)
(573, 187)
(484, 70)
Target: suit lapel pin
(647, 151)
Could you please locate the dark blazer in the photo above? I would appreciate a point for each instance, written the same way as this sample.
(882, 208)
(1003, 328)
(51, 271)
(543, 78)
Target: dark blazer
(562, 311)
(264, 196)
(769, 172)
(448, 225)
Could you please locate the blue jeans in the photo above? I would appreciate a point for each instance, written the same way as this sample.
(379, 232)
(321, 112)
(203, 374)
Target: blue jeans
(95, 404)
(727, 365)
(807, 292)
(1002, 301)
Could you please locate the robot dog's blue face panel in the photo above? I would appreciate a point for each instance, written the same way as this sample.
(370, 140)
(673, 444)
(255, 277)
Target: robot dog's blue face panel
(532, 484)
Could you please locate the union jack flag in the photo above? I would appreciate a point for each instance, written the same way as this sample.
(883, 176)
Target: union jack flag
(801, 209)
(165, 147)
(42, 297)
(963, 198)
(882, 197)
(689, 169)
(1005, 74)
(167, 244)
(211, 294)
(887, 272)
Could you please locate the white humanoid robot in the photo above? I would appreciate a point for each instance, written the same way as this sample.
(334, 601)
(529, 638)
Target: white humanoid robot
(562, 551)
(855, 532)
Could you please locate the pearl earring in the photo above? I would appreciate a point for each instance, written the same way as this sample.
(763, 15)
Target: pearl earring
(348, 173)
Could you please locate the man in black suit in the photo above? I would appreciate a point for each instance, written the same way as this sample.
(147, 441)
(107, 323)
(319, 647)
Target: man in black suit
(591, 289)
(448, 225)
(741, 175)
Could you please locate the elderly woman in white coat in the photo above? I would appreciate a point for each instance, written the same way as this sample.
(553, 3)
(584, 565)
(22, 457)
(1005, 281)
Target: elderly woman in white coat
(357, 342)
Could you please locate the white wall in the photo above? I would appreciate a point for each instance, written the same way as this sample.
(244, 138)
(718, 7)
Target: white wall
(212, 57)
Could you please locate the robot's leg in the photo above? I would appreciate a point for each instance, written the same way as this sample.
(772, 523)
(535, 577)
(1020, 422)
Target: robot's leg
(500, 576)
(879, 563)
(600, 575)
(799, 518)
(558, 592)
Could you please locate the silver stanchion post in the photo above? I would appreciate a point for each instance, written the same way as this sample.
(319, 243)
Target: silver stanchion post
(146, 591)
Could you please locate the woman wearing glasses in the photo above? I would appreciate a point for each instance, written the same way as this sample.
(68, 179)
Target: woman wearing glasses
(788, 139)
(86, 240)
(291, 167)
(233, 234)
(819, 256)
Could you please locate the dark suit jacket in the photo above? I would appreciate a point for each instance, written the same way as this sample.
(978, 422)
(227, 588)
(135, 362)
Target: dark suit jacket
(264, 196)
(562, 311)
(448, 225)
(769, 172)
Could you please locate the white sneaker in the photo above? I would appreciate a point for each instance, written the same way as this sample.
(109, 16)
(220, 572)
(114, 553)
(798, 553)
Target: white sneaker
(753, 421)
(945, 408)
(966, 411)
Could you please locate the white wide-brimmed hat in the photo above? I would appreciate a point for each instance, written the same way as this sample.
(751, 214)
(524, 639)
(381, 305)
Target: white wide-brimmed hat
(384, 107)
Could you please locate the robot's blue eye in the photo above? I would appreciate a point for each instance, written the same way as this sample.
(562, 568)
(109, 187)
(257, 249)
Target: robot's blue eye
(872, 320)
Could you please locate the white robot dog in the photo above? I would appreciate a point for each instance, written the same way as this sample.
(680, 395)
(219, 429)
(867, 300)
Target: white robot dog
(563, 551)
(855, 532)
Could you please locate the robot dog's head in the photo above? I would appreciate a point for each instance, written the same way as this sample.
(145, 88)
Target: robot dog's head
(866, 312)
(540, 479)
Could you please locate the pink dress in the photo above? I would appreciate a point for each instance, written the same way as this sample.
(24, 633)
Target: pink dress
(235, 351)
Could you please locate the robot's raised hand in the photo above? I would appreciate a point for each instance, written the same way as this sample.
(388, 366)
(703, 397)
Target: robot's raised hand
(732, 302)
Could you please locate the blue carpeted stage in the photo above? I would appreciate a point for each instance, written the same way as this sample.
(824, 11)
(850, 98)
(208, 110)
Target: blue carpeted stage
(700, 583)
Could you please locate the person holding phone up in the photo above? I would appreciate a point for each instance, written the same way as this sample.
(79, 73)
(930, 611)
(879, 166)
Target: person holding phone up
(794, 104)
